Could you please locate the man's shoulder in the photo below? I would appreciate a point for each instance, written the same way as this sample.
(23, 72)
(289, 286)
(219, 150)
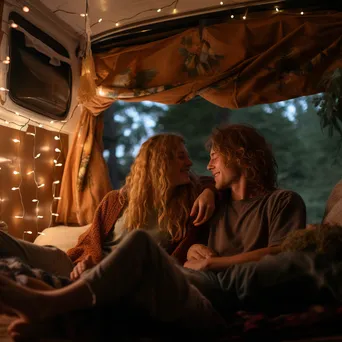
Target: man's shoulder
(284, 195)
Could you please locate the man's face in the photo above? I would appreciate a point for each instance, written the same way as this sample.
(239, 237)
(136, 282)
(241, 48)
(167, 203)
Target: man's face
(225, 174)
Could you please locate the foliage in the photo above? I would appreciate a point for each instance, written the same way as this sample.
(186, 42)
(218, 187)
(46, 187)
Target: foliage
(329, 103)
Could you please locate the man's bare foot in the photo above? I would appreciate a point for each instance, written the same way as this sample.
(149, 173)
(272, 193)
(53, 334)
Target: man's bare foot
(31, 305)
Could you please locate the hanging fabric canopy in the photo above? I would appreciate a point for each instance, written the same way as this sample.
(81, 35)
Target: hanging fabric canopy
(240, 63)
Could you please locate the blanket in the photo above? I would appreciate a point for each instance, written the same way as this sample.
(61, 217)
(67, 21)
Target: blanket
(18, 271)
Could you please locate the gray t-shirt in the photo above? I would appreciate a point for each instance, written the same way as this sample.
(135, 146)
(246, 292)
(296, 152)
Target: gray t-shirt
(264, 221)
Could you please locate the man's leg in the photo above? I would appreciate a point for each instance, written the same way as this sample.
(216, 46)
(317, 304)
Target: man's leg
(278, 283)
(47, 258)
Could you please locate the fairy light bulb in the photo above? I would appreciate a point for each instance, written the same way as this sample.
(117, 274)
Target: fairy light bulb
(15, 188)
(34, 200)
(30, 172)
(57, 137)
(16, 172)
(99, 20)
(54, 214)
(159, 10)
(14, 25)
(221, 3)
(26, 9)
(56, 182)
(41, 185)
(59, 165)
(57, 149)
(37, 156)
(40, 125)
(17, 141)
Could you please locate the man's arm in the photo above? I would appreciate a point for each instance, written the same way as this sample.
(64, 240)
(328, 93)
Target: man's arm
(219, 263)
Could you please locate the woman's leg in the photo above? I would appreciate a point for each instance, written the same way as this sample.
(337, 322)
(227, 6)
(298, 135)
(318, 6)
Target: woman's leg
(47, 258)
(137, 270)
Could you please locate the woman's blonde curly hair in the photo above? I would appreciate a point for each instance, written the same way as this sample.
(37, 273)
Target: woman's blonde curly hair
(149, 191)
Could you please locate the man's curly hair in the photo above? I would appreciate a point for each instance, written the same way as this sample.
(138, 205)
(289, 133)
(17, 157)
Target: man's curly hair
(243, 145)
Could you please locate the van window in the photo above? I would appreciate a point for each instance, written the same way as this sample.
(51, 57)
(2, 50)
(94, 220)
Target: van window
(39, 76)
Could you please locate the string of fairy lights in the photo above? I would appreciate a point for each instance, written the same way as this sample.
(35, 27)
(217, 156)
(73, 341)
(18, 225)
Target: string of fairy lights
(171, 8)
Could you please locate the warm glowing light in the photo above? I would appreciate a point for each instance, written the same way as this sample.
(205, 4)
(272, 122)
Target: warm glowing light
(16, 141)
(244, 17)
(40, 125)
(16, 113)
(20, 217)
(14, 25)
(52, 122)
(35, 200)
(55, 161)
(37, 156)
(57, 137)
(54, 214)
(57, 198)
(29, 133)
(16, 172)
(221, 3)
(39, 217)
(83, 15)
(15, 188)
(56, 182)
(301, 13)
(99, 20)
(40, 233)
(57, 149)
(3, 89)
(59, 164)
(232, 16)
(174, 11)
(41, 185)
(277, 9)
(159, 10)
(26, 9)
(6, 61)
(6, 122)
(117, 24)
(30, 172)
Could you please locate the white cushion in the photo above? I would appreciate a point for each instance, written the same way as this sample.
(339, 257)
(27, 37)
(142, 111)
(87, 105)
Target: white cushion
(63, 237)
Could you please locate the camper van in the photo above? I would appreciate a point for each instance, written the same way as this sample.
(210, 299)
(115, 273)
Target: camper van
(68, 67)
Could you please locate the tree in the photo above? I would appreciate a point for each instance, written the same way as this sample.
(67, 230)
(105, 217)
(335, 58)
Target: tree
(194, 120)
(126, 126)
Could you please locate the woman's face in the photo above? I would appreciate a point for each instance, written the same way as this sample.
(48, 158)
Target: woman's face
(179, 167)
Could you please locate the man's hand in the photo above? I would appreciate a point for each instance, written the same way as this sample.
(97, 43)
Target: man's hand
(83, 265)
(198, 265)
(200, 252)
(204, 207)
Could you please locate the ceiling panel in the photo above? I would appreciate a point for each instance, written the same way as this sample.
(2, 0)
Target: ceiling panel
(118, 14)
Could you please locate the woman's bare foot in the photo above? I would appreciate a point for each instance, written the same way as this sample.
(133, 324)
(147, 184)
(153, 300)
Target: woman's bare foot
(20, 330)
(31, 305)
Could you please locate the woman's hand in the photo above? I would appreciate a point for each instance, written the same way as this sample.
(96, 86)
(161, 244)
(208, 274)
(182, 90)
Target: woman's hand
(83, 265)
(204, 207)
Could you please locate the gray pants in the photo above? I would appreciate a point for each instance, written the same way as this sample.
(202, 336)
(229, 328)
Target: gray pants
(48, 258)
(139, 271)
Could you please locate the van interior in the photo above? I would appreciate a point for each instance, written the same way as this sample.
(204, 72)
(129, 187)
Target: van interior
(84, 83)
